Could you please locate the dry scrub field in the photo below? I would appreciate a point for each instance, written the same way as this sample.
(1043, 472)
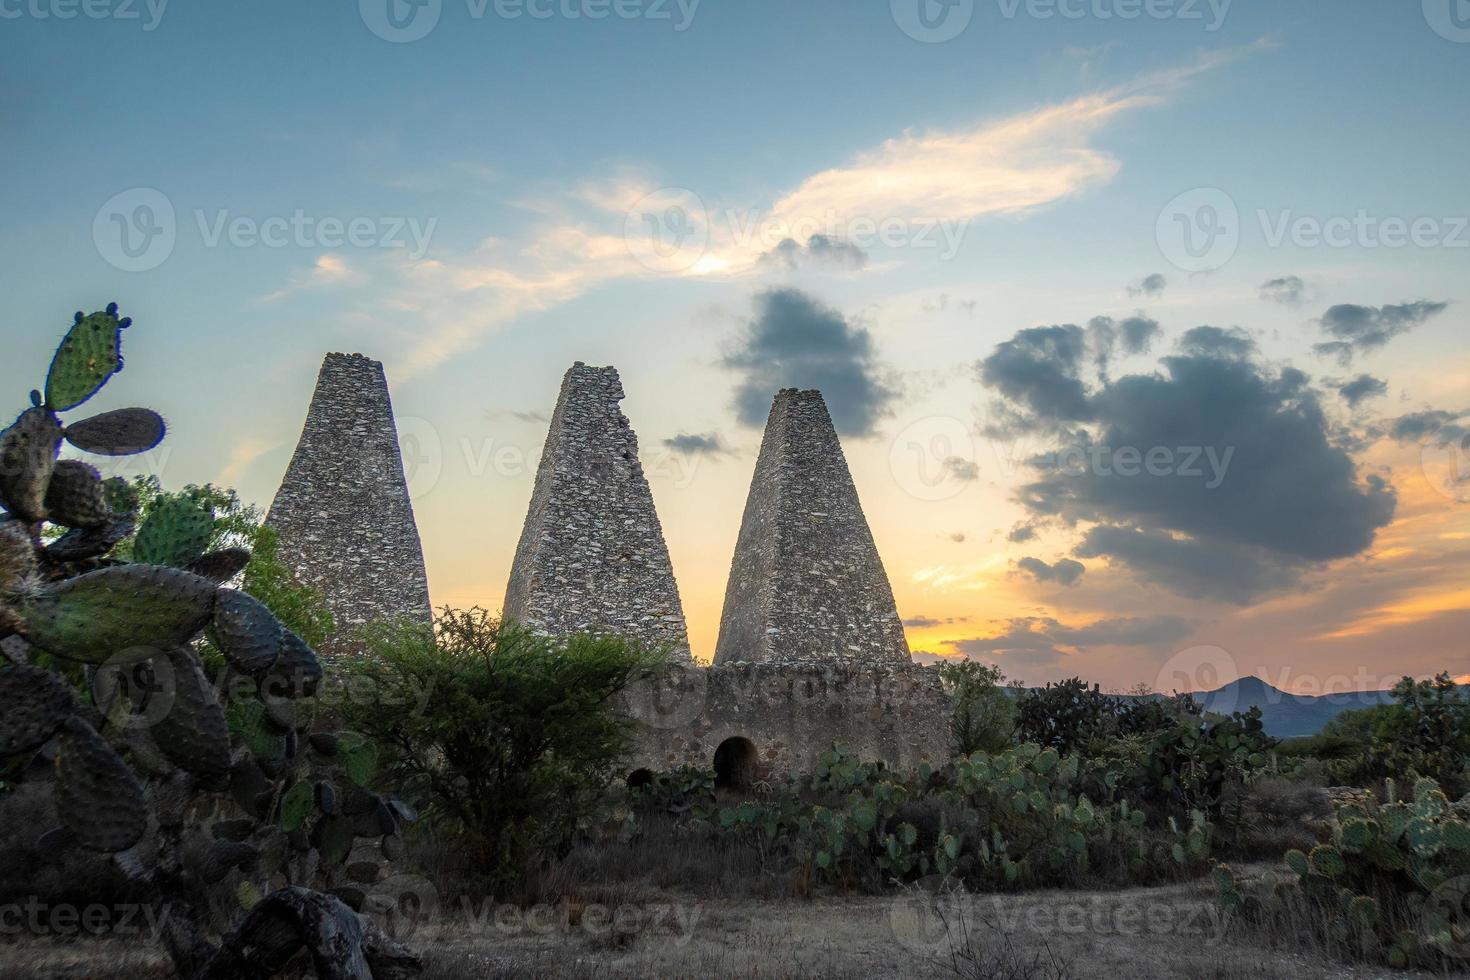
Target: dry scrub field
(1143, 934)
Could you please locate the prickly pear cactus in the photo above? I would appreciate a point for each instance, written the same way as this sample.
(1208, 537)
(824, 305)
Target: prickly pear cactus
(210, 792)
(1393, 884)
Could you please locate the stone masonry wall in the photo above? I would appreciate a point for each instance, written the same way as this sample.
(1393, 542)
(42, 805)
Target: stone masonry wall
(897, 715)
(592, 556)
(343, 512)
(806, 583)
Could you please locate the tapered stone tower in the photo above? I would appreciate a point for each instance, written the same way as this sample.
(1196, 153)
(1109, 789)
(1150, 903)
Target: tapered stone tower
(806, 584)
(592, 556)
(343, 511)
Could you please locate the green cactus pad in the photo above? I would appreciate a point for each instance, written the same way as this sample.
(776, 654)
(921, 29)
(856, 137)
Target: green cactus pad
(175, 533)
(90, 353)
(1327, 861)
(97, 795)
(81, 543)
(1297, 861)
(221, 566)
(297, 673)
(75, 496)
(1456, 835)
(113, 611)
(193, 734)
(34, 704)
(124, 432)
(28, 451)
(247, 633)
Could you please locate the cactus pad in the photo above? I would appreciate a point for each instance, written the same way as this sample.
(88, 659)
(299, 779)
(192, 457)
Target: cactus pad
(97, 795)
(34, 704)
(28, 452)
(90, 353)
(75, 496)
(81, 543)
(107, 613)
(246, 631)
(123, 432)
(221, 566)
(175, 533)
(297, 672)
(193, 734)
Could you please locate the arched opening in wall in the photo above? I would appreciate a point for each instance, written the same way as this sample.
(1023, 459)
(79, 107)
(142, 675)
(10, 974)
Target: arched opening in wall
(735, 763)
(639, 778)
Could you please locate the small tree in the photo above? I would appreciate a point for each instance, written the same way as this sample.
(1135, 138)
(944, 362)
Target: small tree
(984, 714)
(505, 736)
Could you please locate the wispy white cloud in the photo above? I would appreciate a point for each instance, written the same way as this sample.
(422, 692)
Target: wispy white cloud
(585, 236)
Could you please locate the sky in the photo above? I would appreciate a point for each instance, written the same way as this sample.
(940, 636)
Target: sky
(1143, 323)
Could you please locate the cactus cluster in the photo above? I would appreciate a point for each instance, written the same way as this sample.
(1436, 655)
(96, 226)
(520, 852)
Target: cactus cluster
(1391, 885)
(211, 793)
(1012, 819)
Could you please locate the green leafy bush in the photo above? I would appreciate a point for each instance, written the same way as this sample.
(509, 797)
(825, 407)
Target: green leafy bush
(984, 715)
(505, 736)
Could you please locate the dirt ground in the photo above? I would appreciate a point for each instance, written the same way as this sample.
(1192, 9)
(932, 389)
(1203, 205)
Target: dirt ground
(1143, 934)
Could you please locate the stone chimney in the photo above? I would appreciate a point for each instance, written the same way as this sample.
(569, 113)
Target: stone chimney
(806, 584)
(592, 556)
(343, 512)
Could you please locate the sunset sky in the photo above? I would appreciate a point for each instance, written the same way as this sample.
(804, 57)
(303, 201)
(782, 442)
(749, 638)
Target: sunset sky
(1231, 240)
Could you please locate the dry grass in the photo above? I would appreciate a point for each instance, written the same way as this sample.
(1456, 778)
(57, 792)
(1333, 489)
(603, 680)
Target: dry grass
(1145, 934)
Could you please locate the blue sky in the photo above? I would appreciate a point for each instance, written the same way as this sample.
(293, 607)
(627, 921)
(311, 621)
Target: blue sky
(526, 151)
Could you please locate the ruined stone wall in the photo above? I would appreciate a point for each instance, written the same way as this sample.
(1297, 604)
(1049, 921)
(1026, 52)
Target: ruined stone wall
(806, 583)
(343, 512)
(897, 715)
(592, 556)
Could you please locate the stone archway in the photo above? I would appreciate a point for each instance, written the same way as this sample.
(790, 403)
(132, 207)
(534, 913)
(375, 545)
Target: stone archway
(639, 778)
(736, 763)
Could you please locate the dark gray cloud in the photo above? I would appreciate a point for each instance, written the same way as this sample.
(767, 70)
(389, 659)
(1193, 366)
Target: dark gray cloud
(698, 444)
(926, 622)
(1435, 425)
(797, 342)
(818, 250)
(1040, 368)
(1150, 285)
(1021, 532)
(1286, 290)
(1367, 328)
(1192, 567)
(1064, 571)
(958, 537)
(1231, 342)
(1039, 640)
(1339, 350)
(961, 468)
(1248, 486)
(1361, 388)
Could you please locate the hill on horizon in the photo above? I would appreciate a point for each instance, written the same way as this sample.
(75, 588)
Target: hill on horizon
(1287, 715)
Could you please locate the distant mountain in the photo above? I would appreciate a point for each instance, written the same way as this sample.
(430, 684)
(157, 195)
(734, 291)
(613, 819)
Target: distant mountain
(1287, 715)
